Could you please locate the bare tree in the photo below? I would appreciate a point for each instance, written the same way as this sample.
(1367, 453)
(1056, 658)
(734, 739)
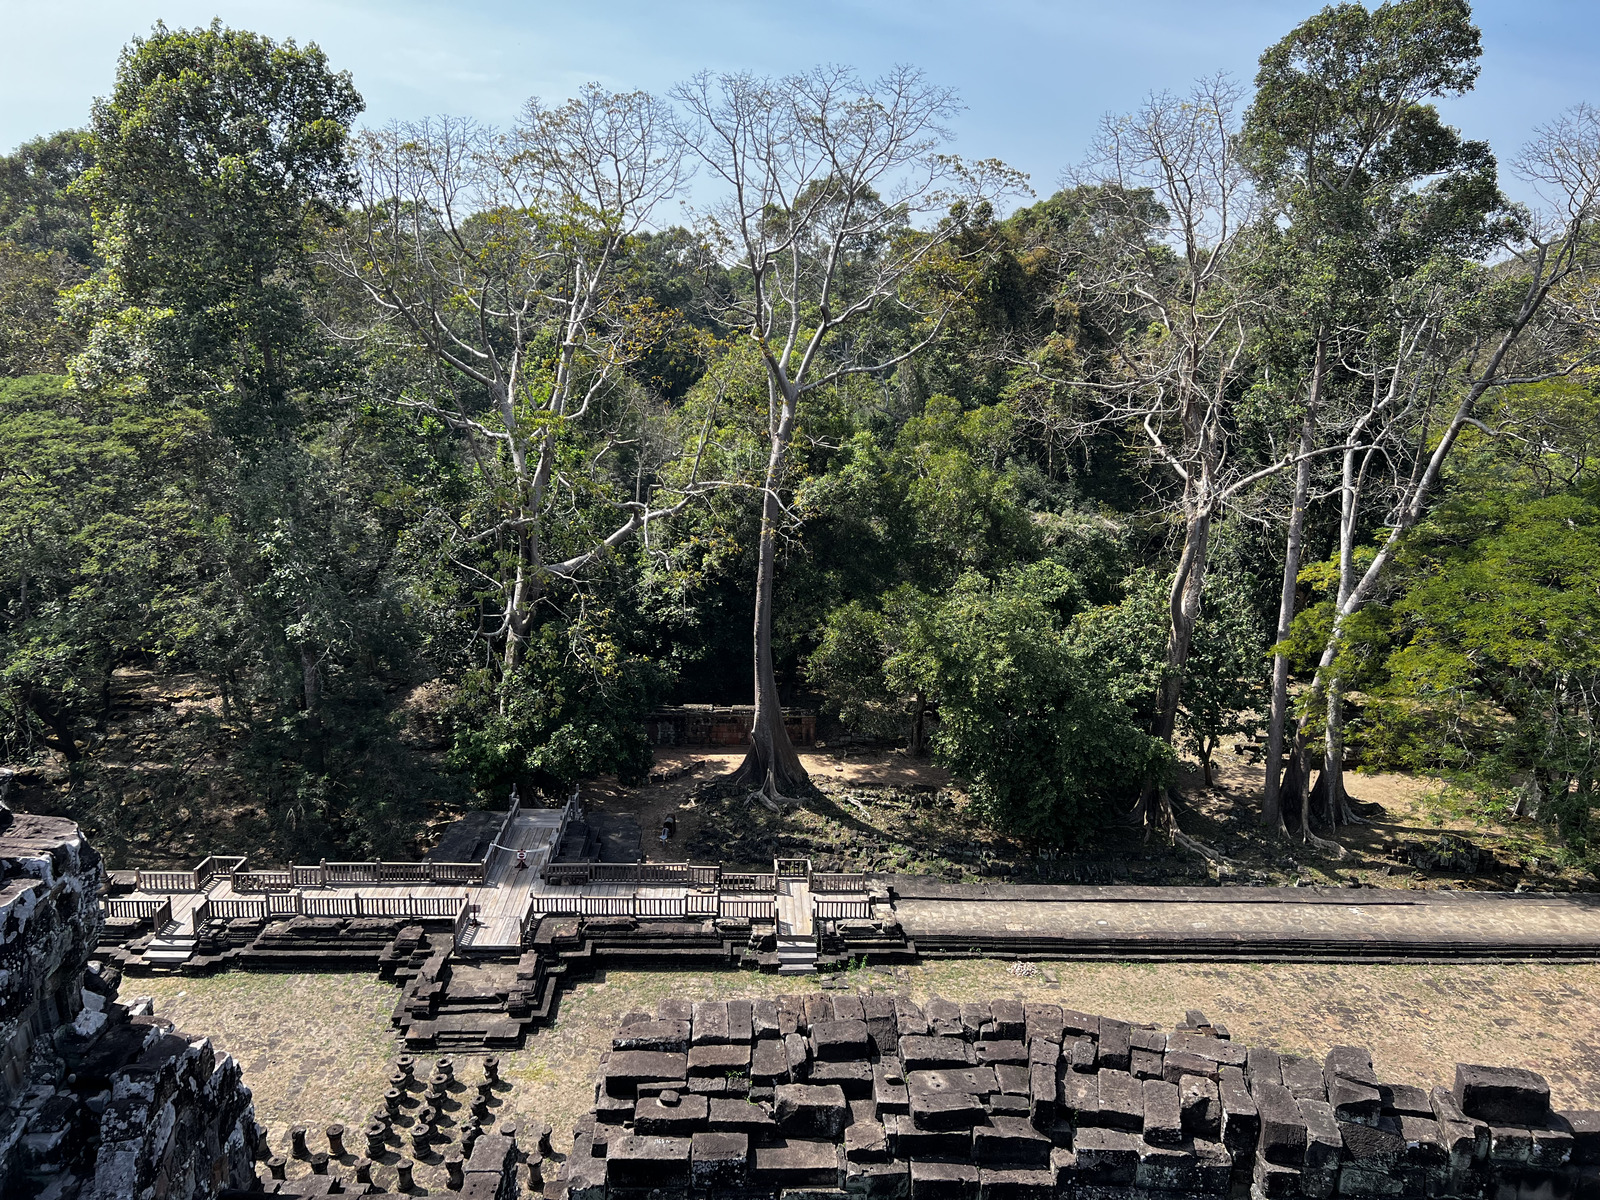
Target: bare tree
(823, 179)
(1176, 264)
(1441, 365)
(499, 256)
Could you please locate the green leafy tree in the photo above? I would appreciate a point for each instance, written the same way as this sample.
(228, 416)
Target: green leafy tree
(40, 210)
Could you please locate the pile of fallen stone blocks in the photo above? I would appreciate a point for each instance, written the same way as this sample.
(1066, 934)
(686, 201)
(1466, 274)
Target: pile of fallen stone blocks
(875, 1096)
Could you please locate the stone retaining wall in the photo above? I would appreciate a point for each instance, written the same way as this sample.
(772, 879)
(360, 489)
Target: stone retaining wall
(873, 1096)
(97, 1099)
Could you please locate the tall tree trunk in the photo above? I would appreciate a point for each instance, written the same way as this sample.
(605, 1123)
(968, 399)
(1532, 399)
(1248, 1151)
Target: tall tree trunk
(771, 762)
(1333, 757)
(1272, 796)
(1154, 810)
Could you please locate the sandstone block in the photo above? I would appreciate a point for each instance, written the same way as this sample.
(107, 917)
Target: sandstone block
(1105, 1158)
(670, 1037)
(943, 1181)
(839, 1041)
(635, 1161)
(1201, 1107)
(1011, 1141)
(797, 1164)
(1121, 1101)
(803, 1110)
(1502, 1095)
(1283, 1130)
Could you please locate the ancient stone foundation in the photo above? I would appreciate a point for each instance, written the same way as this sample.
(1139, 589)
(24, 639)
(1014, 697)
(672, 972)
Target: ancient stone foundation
(871, 1096)
(97, 1099)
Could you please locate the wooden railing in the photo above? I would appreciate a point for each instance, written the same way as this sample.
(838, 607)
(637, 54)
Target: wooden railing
(791, 868)
(739, 882)
(821, 882)
(700, 904)
(842, 910)
(217, 864)
(167, 881)
(657, 874)
(463, 922)
(296, 904)
(232, 910)
(358, 874)
(748, 908)
(566, 874)
(262, 881)
(138, 910)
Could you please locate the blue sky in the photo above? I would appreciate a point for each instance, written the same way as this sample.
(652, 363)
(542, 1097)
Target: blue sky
(1034, 76)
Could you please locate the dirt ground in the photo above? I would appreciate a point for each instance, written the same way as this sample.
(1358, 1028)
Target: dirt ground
(880, 810)
(317, 1048)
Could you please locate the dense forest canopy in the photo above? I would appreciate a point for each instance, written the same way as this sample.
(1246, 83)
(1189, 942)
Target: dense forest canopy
(438, 456)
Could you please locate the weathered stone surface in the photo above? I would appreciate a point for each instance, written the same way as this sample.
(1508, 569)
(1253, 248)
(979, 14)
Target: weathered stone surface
(768, 1061)
(1303, 1077)
(1201, 1107)
(991, 1052)
(803, 1110)
(909, 1019)
(1042, 1021)
(1163, 1113)
(1175, 1065)
(1079, 1097)
(1585, 1126)
(1241, 1120)
(866, 1141)
(679, 1118)
(836, 1041)
(662, 1036)
(798, 1163)
(1016, 1183)
(1077, 1024)
(1011, 1140)
(1080, 1054)
(1145, 1064)
(1121, 1101)
(626, 1069)
(1114, 1044)
(877, 1181)
(719, 1160)
(1373, 1147)
(732, 1115)
(1105, 1157)
(950, 1099)
(975, 1017)
(889, 1092)
(1502, 1095)
(1223, 1053)
(1283, 1130)
(1263, 1065)
(1165, 1167)
(920, 1053)
(635, 1161)
(944, 1018)
(853, 1078)
(710, 1022)
(1010, 1019)
(943, 1181)
(719, 1059)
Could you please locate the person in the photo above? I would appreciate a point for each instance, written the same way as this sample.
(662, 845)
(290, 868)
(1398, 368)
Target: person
(522, 860)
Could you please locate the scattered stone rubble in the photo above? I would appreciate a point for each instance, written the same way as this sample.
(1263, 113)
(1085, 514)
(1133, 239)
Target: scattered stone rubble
(872, 1096)
(97, 1099)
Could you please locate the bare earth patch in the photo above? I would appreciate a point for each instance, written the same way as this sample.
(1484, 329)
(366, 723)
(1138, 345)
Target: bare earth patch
(318, 1048)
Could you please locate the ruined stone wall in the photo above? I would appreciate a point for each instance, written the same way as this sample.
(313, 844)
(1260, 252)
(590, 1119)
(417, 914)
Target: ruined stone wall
(872, 1096)
(97, 1099)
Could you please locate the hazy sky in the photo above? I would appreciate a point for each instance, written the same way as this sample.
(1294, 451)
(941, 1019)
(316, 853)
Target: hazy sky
(1035, 76)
